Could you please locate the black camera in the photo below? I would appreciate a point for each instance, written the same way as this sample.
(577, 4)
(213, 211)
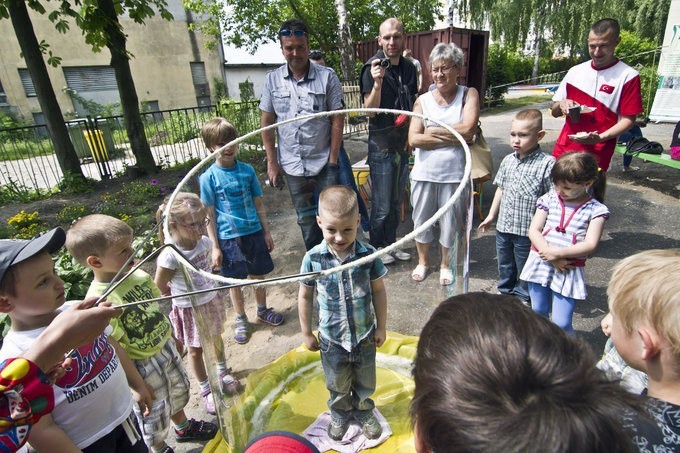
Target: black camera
(385, 63)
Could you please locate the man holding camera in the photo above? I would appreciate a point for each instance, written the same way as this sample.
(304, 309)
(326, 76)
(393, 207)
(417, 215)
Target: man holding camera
(307, 153)
(388, 81)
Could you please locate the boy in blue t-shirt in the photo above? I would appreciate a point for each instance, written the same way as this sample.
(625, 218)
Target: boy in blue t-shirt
(241, 240)
(352, 313)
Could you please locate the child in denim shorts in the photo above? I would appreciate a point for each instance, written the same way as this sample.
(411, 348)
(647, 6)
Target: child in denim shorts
(239, 233)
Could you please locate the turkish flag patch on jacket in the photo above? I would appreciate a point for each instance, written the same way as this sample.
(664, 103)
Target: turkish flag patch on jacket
(607, 88)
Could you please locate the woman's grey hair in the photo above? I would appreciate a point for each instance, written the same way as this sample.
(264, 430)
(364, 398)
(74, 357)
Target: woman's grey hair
(449, 53)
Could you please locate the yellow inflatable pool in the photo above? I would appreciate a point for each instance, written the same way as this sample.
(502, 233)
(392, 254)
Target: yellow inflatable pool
(290, 393)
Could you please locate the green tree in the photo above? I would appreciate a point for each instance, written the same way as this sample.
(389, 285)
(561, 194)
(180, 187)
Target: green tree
(98, 20)
(249, 24)
(565, 23)
(32, 50)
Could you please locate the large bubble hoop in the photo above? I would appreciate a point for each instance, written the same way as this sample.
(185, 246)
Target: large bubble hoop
(377, 254)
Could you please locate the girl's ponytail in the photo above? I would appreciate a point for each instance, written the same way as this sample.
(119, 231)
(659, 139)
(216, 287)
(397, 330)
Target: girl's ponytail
(600, 186)
(159, 219)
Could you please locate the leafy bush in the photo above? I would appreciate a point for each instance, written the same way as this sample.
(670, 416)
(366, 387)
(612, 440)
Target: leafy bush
(181, 127)
(76, 277)
(69, 213)
(148, 246)
(634, 50)
(131, 203)
(72, 184)
(245, 116)
(649, 82)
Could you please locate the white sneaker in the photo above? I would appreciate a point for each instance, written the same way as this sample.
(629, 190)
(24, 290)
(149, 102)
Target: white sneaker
(401, 255)
(387, 258)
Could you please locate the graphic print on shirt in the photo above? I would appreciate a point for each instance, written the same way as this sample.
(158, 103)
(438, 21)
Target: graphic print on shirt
(141, 324)
(91, 366)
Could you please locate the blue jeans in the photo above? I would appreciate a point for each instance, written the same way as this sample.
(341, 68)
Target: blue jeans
(302, 192)
(512, 251)
(350, 378)
(542, 298)
(634, 131)
(389, 172)
(346, 178)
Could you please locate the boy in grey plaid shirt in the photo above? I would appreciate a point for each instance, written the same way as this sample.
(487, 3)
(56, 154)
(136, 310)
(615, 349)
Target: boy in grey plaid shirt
(523, 176)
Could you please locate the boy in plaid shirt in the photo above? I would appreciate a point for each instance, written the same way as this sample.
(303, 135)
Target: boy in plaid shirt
(523, 176)
(352, 313)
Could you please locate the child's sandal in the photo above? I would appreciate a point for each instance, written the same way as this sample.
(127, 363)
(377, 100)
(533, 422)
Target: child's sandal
(269, 316)
(241, 333)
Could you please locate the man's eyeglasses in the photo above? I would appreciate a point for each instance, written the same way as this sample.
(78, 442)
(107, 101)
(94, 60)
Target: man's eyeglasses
(287, 33)
(443, 69)
(196, 225)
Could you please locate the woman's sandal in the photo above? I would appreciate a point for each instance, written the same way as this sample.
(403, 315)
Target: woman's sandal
(419, 273)
(445, 276)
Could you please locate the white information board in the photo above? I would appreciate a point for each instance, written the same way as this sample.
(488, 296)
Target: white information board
(667, 99)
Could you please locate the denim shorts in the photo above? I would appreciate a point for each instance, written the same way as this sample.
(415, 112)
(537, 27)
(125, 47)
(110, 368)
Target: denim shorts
(245, 255)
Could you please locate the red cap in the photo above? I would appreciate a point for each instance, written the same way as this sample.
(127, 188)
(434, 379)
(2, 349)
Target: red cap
(280, 442)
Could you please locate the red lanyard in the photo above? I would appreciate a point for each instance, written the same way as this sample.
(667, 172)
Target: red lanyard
(562, 228)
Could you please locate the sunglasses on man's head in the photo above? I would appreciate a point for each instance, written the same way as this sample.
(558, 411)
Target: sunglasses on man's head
(297, 33)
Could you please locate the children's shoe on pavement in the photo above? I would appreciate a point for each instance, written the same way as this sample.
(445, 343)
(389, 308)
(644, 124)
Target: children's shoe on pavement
(197, 430)
(229, 383)
(337, 429)
(269, 316)
(387, 258)
(209, 402)
(241, 332)
(371, 427)
(401, 255)
(166, 449)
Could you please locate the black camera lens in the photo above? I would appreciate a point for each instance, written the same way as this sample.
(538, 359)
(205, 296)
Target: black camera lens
(385, 63)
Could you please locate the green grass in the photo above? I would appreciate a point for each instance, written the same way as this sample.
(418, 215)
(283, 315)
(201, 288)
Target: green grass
(515, 103)
(22, 149)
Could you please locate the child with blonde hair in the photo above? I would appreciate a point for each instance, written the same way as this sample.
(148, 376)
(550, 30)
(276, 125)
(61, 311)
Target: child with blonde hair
(523, 176)
(104, 244)
(187, 220)
(644, 303)
(565, 229)
(238, 229)
(352, 314)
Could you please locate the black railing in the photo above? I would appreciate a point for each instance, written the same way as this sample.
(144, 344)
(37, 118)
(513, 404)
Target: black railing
(28, 162)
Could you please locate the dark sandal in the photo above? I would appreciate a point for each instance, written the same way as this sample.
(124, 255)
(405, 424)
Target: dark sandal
(269, 316)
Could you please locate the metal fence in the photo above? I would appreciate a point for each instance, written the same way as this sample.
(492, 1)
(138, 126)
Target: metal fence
(28, 162)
